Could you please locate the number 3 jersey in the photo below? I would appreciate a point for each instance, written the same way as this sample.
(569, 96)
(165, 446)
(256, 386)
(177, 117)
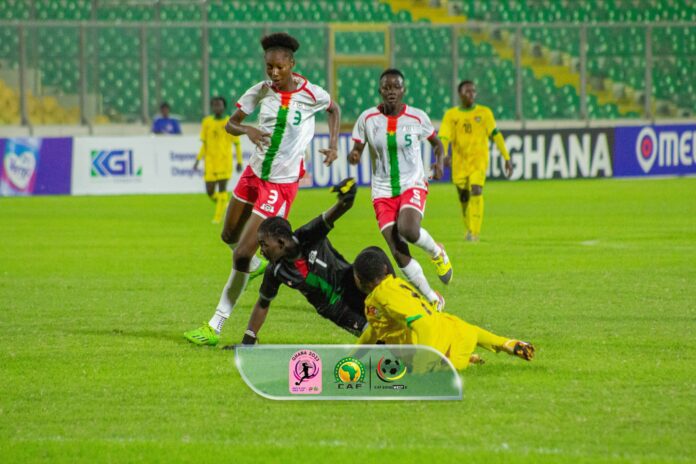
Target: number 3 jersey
(289, 118)
(395, 148)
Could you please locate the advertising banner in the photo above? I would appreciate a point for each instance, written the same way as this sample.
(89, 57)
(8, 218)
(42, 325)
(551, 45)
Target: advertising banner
(536, 154)
(555, 154)
(655, 150)
(319, 175)
(35, 166)
(148, 164)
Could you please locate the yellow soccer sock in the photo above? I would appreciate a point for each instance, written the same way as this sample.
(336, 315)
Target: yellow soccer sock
(221, 203)
(489, 340)
(214, 197)
(475, 211)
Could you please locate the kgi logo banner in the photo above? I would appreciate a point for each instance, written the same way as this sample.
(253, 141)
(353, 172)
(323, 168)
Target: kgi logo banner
(114, 163)
(655, 150)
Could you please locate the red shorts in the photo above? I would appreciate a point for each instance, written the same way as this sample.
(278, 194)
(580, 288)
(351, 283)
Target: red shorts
(269, 199)
(387, 209)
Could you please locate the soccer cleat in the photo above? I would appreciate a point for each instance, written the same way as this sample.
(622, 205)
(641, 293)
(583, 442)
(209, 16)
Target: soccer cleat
(204, 335)
(520, 349)
(443, 267)
(259, 270)
(440, 302)
(471, 237)
(476, 359)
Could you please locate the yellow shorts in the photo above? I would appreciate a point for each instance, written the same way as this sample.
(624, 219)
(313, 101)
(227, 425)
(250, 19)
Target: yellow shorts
(454, 338)
(217, 171)
(466, 181)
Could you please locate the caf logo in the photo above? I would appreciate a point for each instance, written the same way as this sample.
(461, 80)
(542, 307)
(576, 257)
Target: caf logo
(349, 373)
(390, 370)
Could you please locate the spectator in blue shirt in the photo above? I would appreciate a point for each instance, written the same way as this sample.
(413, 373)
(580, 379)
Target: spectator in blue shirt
(165, 124)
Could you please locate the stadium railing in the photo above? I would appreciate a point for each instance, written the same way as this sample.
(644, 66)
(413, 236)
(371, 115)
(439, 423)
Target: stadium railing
(93, 72)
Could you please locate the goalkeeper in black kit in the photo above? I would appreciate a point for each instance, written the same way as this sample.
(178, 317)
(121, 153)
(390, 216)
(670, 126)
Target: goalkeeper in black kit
(306, 261)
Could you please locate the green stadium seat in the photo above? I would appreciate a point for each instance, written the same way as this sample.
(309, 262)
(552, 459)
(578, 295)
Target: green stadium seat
(15, 9)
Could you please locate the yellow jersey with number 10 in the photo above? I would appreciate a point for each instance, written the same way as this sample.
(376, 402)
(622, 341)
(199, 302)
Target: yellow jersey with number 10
(469, 131)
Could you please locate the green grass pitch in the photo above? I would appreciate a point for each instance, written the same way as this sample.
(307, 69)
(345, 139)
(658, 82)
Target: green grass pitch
(95, 293)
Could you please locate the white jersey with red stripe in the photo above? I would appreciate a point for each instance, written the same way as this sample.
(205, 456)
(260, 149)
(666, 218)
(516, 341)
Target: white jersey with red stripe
(289, 118)
(395, 148)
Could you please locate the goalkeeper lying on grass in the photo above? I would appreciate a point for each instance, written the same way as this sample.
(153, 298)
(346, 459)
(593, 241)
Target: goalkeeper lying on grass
(398, 314)
(306, 261)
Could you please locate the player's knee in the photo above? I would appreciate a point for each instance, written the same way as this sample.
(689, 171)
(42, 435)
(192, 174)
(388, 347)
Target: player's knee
(464, 196)
(242, 258)
(229, 236)
(477, 190)
(409, 232)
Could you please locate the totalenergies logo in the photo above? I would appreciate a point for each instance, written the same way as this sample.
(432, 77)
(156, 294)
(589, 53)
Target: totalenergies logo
(667, 148)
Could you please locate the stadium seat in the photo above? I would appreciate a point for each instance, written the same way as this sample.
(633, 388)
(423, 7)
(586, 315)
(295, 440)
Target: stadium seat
(616, 55)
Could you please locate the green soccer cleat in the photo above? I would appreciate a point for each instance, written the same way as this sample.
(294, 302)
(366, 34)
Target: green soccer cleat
(443, 266)
(259, 270)
(204, 335)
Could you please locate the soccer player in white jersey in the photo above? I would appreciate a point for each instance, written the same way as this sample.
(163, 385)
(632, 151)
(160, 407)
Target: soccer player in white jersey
(288, 103)
(394, 132)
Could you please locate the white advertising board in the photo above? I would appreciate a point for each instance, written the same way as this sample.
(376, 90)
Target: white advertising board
(148, 164)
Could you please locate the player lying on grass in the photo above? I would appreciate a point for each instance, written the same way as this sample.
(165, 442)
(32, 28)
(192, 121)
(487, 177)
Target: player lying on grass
(305, 260)
(398, 314)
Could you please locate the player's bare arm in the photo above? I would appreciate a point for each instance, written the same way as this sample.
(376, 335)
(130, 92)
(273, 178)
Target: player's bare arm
(439, 151)
(235, 127)
(356, 152)
(256, 320)
(508, 168)
(331, 153)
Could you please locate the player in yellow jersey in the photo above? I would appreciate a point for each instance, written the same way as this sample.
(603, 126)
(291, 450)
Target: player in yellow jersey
(397, 314)
(468, 128)
(216, 151)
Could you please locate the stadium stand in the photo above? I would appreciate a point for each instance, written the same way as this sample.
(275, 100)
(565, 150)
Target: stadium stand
(550, 55)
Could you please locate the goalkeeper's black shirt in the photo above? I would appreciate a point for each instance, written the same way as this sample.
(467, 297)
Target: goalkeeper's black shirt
(322, 275)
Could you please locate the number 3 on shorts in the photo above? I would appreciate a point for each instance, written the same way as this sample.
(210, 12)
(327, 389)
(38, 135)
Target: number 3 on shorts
(273, 197)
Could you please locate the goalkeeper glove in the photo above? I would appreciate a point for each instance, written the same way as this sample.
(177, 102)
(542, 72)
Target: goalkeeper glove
(346, 189)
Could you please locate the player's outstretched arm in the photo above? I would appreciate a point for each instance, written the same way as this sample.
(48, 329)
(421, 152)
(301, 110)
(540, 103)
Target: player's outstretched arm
(331, 153)
(256, 320)
(346, 189)
(234, 126)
